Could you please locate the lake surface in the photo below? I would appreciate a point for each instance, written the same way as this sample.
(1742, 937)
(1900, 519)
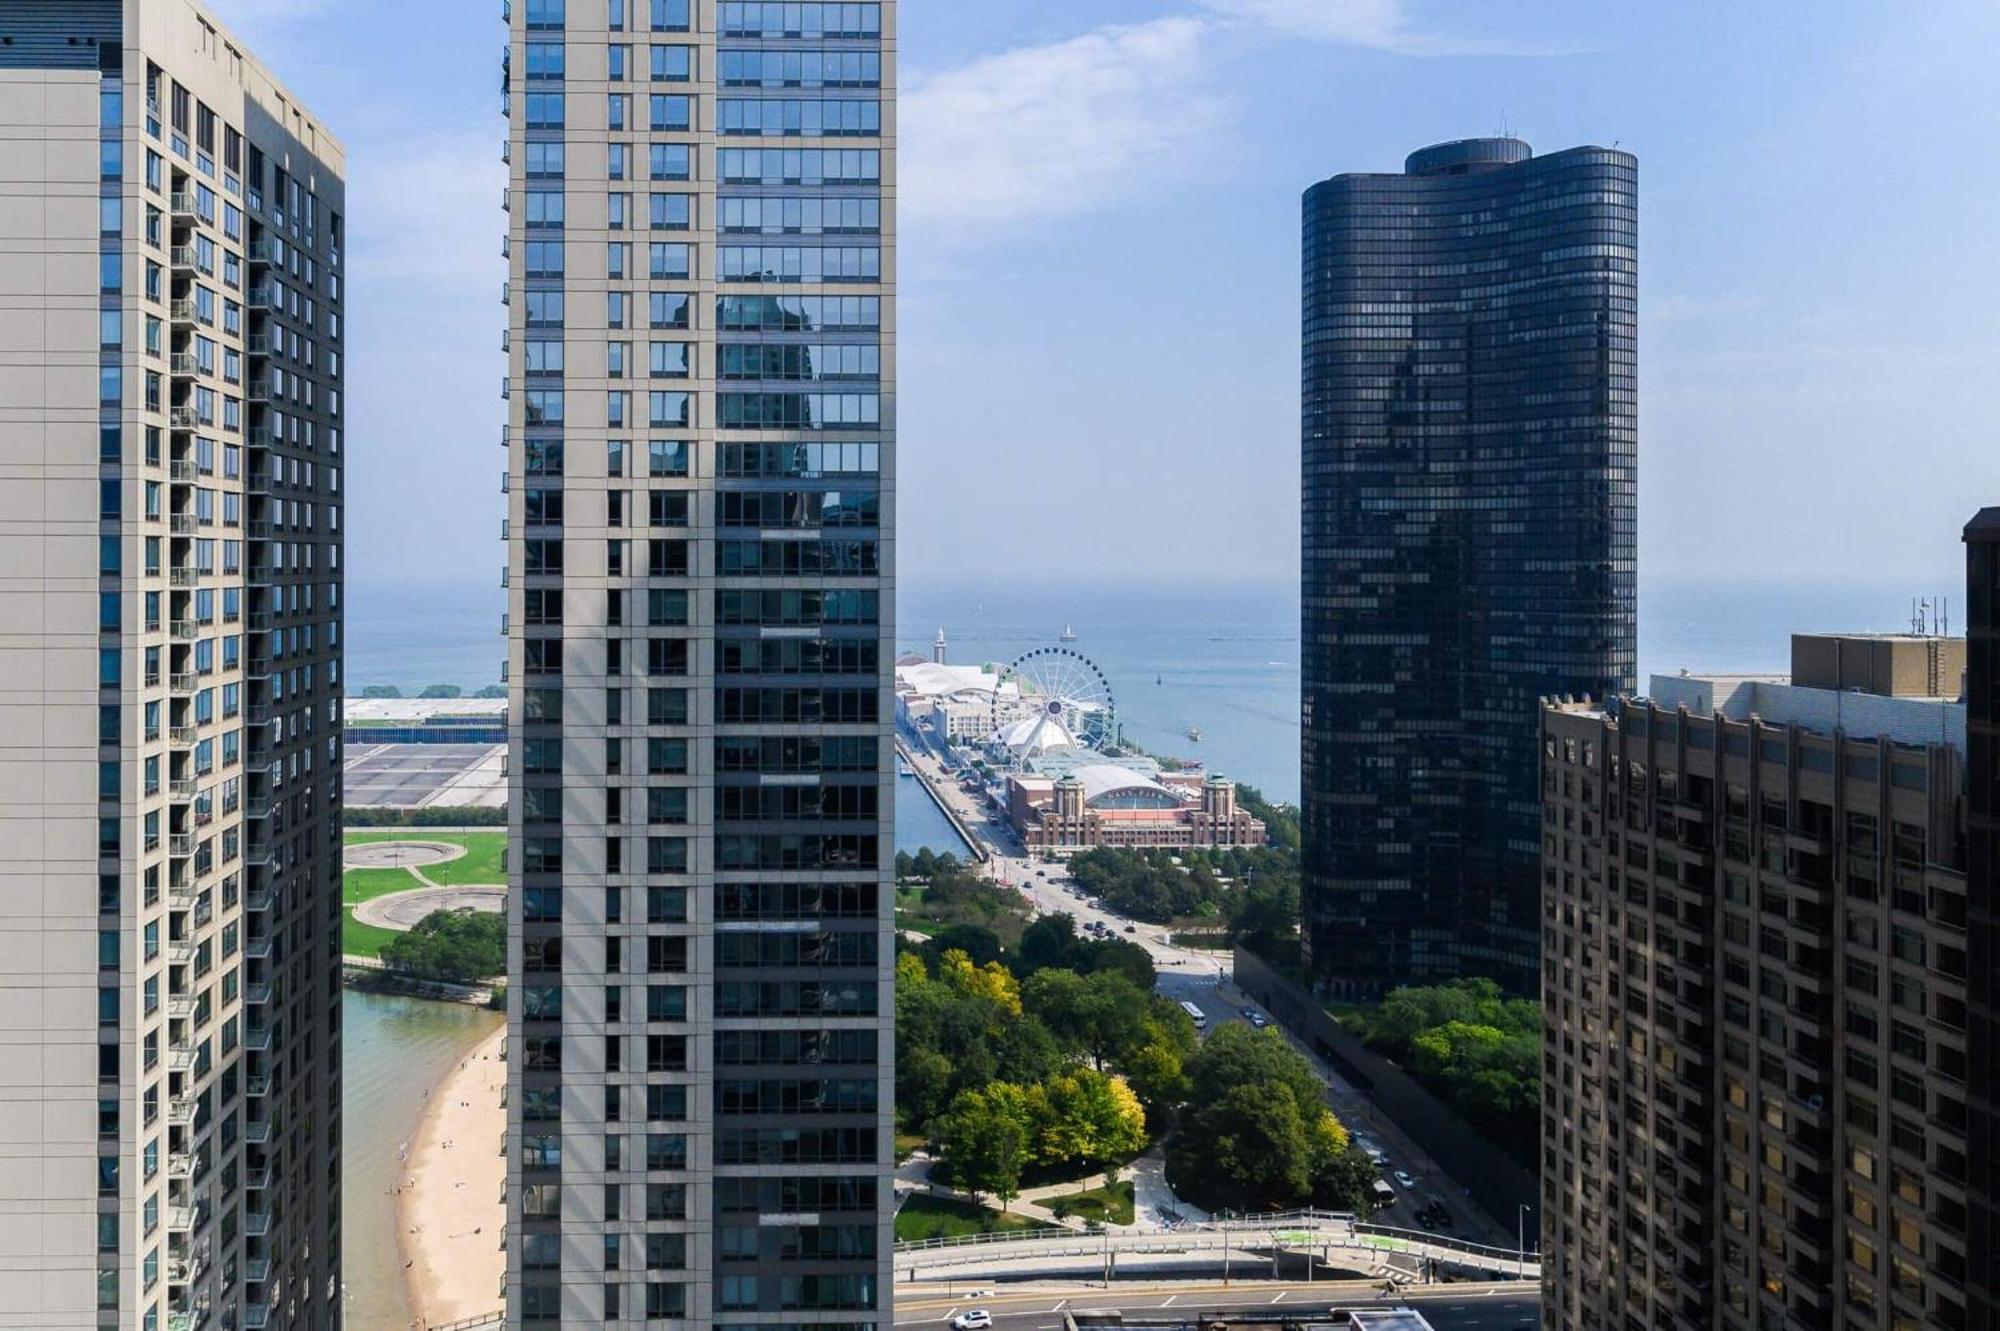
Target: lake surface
(394, 1050)
(1223, 658)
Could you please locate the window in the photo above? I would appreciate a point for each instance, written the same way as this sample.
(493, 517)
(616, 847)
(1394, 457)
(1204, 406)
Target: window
(671, 161)
(670, 15)
(671, 212)
(671, 112)
(673, 64)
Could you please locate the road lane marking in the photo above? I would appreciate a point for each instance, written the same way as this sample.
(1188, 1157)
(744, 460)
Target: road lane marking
(1170, 1300)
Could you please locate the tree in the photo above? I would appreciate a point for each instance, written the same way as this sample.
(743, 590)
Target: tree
(1247, 1150)
(442, 691)
(976, 941)
(983, 1140)
(1087, 1117)
(381, 691)
(453, 945)
(992, 982)
(493, 691)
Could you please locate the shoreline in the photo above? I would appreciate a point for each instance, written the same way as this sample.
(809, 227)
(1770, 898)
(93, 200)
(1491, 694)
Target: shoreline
(450, 1208)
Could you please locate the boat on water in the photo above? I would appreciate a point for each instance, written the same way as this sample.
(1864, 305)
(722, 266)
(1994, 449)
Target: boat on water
(1068, 634)
(1159, 679)
(1194, 733)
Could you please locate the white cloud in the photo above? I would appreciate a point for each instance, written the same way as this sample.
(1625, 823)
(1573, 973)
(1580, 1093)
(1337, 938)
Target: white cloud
(1383, 24)
(433, 210)
(1051, 131)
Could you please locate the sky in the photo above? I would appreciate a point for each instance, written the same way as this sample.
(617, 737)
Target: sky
(1099, 267)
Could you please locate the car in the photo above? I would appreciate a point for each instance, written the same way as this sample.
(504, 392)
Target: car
(1403, 1179)
(1130, 929)
(1256, 1019)
(972, 1319)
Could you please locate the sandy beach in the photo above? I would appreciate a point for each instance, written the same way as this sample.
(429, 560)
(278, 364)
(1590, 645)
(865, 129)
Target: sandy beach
(450, 1210)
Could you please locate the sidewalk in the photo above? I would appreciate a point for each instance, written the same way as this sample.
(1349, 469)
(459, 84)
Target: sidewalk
(914, 1176)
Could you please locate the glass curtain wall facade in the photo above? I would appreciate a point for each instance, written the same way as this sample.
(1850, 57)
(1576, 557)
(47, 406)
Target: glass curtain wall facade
(699, 473)
(1982, 700)
(1470, 516)
(170, 653)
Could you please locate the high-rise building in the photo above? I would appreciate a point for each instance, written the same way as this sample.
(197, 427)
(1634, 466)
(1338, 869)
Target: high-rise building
(1982, 700)
(170, 455)
(700, 465)
(1757, 1075)
(1470, 458)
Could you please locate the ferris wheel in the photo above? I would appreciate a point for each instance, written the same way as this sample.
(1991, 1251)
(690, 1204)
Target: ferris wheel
(1059, 699)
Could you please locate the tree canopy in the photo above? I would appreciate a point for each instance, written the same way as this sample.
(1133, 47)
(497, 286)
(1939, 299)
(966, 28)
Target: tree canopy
(456, 945)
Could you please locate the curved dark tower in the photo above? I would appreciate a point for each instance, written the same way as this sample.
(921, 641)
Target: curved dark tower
(1470, 458)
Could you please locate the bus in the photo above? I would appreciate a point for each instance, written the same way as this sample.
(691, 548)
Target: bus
(1195, 1015)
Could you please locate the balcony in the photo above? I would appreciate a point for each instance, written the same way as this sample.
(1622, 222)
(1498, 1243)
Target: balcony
(258, 949)
(257, 1087)
(182, 524)
(256, 1316)
(181, 312)
(182, 790)
(261, 436)
(183, 630)
(183, 365)
(259, 993)
(183, 1217)
(257, 1270)
(266, 296)
(180, 1164)
(258, 806)
(183, 208)
(180, 737)
(259, 481)
(184, 683)
(180, 845)
(260, 714)
(180, 1110)
(259, 344)
(180, 1058)
(257, 1224)
(181, 953)
(258, 529)
(259, 390)
(183, 418)
(258, 854)
(183, 472)
(257, 1131)
(266, 251)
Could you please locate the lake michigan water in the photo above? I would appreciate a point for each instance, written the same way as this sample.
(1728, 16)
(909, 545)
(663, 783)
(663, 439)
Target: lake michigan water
(393, 1050)
(1223, 658)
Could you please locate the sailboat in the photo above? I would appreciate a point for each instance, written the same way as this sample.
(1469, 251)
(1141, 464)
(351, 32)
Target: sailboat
(1068, 634)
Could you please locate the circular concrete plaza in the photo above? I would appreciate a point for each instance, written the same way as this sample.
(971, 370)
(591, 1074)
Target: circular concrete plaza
(405, 910)
(398, 854)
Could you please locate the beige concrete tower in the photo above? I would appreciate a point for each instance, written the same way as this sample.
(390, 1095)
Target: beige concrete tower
(170, 449)
(701, 320)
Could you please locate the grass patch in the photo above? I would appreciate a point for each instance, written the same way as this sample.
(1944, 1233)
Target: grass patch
(1104, 1206)
(927, 1217)
(484, 861)
(362, 940)
(907, 1145)
(359, 885)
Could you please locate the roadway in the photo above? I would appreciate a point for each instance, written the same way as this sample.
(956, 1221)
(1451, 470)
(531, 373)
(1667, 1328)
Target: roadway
(1202, 977)
(1446, 1307)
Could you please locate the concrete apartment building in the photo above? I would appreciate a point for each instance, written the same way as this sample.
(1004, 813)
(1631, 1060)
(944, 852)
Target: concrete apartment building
(700, 469)
(170, 450)
(1470, 426)
(1758, 985)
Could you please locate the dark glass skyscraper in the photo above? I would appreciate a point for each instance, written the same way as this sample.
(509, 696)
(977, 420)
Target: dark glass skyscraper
(1470, 458)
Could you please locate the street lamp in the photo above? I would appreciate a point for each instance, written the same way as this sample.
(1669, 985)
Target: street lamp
(1521, 1236)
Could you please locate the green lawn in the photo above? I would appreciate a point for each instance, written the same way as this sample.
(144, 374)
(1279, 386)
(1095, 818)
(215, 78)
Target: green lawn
(362, 940)
(927, 1217)
(359, 885)
(907, 1143)
(1105, 1206)
(483, 862)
